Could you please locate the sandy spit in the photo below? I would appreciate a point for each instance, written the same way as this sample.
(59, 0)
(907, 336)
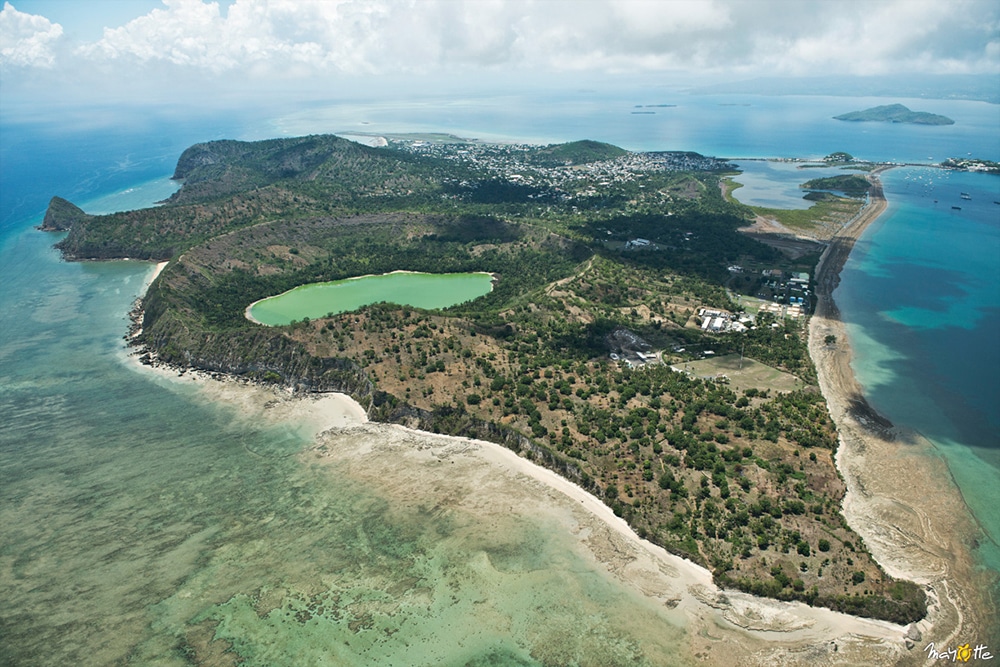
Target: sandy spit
(910, 514)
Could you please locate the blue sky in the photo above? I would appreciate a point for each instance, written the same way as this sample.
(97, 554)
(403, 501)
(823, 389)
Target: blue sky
(113, 50)
(86, 21)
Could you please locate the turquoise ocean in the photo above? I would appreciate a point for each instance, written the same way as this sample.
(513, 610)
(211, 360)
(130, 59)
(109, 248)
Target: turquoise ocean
(131, 510)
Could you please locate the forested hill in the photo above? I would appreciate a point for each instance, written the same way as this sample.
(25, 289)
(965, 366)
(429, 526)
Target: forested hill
(220, 168)
(575, 152)
(228, 185)
(62, 215)
(597, 353)
(896, 113)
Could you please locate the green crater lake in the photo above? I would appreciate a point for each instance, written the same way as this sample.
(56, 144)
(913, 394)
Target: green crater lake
(420, 290)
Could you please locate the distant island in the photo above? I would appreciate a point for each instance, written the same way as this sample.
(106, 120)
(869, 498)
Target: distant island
(850, 185)
(895, 113)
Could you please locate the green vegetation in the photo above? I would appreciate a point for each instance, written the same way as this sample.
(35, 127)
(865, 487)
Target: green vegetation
(895, 113)
(576, 152)
(62, 215)
(852, 186)
(737, 476)
(829, 211)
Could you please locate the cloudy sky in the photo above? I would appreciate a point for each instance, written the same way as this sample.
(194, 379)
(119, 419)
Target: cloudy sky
(117, 48)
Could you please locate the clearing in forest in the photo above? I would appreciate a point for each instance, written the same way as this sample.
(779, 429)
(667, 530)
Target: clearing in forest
(749, 374)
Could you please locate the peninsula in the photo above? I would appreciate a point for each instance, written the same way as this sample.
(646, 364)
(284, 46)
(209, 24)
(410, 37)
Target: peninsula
(612, 348)
(895, 113)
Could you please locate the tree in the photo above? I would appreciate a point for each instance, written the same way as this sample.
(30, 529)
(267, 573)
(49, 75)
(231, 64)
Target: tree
(830, 339)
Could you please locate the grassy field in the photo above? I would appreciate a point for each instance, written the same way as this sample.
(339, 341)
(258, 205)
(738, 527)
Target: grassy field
(832, 212)
(751, 374)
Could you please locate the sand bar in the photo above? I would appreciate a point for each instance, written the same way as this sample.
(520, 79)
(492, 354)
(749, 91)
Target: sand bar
(910, 514)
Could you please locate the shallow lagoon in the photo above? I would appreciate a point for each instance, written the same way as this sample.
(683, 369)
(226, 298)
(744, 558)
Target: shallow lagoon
(778, 184)
(420, 290)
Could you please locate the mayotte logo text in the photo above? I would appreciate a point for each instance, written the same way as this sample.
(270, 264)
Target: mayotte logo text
(963, 653)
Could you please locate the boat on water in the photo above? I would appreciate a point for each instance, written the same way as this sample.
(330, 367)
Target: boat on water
(965, 195)
(957, 208)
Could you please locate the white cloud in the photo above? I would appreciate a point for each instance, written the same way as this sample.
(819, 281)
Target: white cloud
(287, 38)
(27, 39)
(187, 32)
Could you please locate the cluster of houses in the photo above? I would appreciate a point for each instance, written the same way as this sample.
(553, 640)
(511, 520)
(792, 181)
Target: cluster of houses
(636, 359)
(683, 161)
(782, 289)
(513, 163)
(780, 310)
(785, 288)
(717, 321)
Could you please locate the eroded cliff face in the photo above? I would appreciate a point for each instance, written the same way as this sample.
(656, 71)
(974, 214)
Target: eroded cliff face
(62, 215)
(258, 355)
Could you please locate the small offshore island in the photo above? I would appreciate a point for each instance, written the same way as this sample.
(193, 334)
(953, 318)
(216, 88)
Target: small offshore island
(640, 339)
(895, 113)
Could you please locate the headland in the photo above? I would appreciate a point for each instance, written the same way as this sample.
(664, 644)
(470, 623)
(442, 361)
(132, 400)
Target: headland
(578, 280)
